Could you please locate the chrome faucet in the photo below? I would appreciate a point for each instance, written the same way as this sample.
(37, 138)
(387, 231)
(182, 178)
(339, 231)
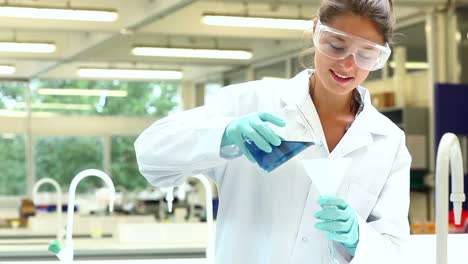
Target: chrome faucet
(66, 253)
(448, 153)
(58, 203)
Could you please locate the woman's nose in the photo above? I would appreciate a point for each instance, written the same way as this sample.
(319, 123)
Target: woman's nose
(347, 62)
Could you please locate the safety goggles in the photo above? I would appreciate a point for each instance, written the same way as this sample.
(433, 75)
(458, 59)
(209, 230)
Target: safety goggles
(338, 45)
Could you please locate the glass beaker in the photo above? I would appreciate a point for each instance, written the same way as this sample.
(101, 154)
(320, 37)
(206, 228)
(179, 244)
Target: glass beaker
(289, 147)
(279, 154)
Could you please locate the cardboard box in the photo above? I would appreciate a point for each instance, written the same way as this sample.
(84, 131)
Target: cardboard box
(383, 100)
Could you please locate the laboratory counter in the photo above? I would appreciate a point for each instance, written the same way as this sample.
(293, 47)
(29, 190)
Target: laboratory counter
(127, 241)
(421, 249)
(98, 249)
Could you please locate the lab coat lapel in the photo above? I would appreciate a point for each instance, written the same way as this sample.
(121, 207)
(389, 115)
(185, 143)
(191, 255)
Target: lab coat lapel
(357, 136)
(362, 131)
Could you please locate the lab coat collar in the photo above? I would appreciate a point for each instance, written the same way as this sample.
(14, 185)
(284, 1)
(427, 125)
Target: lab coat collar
(367, 124)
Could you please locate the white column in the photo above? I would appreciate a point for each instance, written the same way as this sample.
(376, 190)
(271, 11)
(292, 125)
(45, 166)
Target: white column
(453, 40)
(385, 72)
(188, 95)
(249, 74)
(30, 157)
(288, 74)
(107, 155)
(199, 94)
(399, 76)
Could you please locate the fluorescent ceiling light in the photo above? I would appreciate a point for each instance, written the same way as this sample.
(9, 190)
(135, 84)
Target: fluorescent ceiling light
(55, 13)
(413, 65)
(57, 106)
(6, 69)
(193, 53)
(257, 22)
(26, 47)
(82, 92)
(135, 74)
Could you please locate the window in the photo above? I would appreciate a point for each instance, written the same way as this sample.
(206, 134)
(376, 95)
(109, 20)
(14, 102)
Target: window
(296, 66)
(12, 142)
(109, 97)
(12, 98)
(234, 77)
(124, 165)
(13, 164)
(61, 158)
(275, 70)
(211, 90)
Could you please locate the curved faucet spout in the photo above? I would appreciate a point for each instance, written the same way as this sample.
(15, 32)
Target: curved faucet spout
(210, 251)
(68, 249)
(448, 153)
(58, 204)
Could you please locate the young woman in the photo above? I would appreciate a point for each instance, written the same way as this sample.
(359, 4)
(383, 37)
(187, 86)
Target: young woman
(279, 217)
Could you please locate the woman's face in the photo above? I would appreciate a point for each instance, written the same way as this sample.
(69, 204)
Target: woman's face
(327, 68)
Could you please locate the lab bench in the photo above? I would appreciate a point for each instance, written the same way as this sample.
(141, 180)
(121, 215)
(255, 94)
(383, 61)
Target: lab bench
(98, 249)
(420, 249)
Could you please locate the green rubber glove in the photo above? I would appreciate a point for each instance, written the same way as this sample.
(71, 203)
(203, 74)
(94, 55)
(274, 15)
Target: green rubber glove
(253, 127)
(340, 221)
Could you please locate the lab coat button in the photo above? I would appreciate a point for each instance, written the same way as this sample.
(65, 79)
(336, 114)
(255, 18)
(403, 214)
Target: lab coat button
(305, 239)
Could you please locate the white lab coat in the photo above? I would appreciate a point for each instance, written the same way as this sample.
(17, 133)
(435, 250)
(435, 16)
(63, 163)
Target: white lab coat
(268, 217)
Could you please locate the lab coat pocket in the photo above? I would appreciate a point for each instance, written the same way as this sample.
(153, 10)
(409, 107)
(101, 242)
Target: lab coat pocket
(361, 200)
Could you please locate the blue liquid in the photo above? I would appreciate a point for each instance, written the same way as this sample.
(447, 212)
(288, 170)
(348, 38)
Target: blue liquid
(279, 154)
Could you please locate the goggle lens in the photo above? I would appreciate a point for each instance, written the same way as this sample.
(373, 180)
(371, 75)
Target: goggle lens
(339, 45)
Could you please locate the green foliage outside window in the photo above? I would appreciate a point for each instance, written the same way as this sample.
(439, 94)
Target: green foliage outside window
(62, 158)
(124, 166)
(11, 93)
(12, 147)
(143, 98)
(12, 165)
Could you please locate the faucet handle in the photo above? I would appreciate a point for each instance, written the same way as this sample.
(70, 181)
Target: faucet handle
(55, 247)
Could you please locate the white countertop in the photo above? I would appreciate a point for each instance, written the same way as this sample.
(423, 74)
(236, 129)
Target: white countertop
(421, 249)
(103, 248)
(135, 240)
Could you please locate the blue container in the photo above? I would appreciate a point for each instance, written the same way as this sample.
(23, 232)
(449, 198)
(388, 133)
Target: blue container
(279, 154)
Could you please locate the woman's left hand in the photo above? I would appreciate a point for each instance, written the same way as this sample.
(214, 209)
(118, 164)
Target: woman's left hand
(340, 221)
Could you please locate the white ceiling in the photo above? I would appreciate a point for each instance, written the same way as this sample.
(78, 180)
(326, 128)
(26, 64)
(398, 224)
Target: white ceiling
(156, 22)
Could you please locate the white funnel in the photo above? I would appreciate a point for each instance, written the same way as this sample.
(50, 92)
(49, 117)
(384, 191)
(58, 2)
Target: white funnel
(327, 174)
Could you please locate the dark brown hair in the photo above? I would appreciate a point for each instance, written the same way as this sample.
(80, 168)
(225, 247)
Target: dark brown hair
(378, 11)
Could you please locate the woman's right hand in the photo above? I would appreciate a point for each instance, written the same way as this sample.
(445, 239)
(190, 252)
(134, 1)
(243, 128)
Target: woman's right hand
(253, 127)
